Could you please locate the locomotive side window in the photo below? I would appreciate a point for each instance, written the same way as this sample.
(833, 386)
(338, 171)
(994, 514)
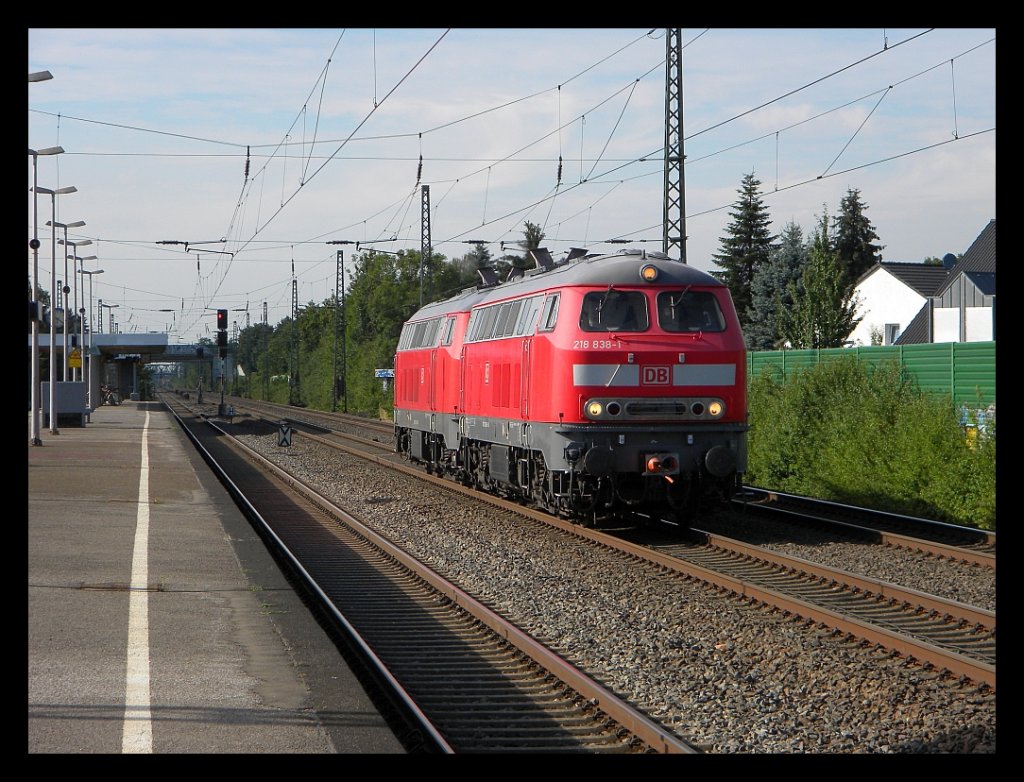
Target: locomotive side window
(688, 310)
(499, 324)
(430, 335)
(403, 340)
(446, 335)
(487, 322)
(614, 310)
(513, 316)
(549, 315)
(419, 335)
(473, 326)
(528, 316)
(510, 318)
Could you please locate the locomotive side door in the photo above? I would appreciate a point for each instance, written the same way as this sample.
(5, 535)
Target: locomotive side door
(462, 380)
(524, 382)
(434, 380)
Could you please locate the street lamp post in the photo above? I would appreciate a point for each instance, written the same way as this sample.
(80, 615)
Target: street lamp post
(76, 264)
(65, 289)
(37, 310)
(81, 345)
(53, 276)
(74, 282)
(82, 270)
(109, 307)
(99, 309)
(92, 329)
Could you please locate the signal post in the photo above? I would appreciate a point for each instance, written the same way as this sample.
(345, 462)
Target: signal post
(222, 348)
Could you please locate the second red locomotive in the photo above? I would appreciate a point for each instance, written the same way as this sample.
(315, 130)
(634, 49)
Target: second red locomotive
(592, 386)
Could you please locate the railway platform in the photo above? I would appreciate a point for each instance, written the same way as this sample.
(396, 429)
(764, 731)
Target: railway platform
(157, 620)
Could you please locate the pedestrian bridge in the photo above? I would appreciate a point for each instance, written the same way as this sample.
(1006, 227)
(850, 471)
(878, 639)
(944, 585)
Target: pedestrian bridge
(114, 359)
(144, 348)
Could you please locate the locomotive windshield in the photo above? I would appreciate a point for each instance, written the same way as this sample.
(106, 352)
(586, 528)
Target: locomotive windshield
(688, 310)
(614, 310)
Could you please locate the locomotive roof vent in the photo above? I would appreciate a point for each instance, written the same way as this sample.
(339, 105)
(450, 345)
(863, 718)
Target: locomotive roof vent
(542, 258)
(488, 278)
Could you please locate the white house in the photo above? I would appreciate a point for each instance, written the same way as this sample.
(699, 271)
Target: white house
(890, 295)
(914, 303)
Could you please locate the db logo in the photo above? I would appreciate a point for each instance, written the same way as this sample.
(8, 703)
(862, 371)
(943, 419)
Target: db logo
(656, 376)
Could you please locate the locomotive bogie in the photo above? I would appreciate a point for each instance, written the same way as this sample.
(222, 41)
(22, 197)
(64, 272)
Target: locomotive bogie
(621, 467)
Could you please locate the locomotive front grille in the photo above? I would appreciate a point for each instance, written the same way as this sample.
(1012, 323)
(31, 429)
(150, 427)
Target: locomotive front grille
(655, 409)
(658, 408)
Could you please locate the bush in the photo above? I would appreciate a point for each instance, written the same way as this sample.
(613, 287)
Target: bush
(851, 432)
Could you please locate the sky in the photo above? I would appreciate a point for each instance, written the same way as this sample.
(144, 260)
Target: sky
(213, 167)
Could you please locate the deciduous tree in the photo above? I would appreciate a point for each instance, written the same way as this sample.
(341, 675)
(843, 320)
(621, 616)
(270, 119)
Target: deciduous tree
(824, 312)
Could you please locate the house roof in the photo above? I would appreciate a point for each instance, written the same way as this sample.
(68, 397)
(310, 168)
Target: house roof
(916, 332)
(981, 255)
(978, 265)
(925, 279)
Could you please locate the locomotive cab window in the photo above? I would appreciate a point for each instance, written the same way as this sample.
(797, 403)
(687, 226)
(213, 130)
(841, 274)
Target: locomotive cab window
(614, 310)
(688, 310)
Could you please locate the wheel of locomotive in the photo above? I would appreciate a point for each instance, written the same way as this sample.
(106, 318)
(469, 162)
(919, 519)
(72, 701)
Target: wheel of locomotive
(583, 500)
(683, 499)
(402, 444)
(630, 489)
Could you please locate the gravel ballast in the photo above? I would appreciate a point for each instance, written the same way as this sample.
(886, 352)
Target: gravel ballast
(724, 674)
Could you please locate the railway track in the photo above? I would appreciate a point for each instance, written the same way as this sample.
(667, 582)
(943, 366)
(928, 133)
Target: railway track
(937, 632)
(464, 678)
(950, 541)
(950, 635)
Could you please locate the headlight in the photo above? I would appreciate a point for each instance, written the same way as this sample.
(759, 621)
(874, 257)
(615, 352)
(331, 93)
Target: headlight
(594, 409)
(649, 273)
(715, 409)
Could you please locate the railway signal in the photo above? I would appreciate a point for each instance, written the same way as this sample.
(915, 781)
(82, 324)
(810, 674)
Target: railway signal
(222, 348)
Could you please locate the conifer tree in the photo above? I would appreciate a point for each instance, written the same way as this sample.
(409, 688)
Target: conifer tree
(746, 245)
(770, 293)
(855, 238)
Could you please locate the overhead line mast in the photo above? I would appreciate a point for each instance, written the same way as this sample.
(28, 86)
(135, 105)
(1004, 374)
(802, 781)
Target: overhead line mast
(424, 233)
(674, 224)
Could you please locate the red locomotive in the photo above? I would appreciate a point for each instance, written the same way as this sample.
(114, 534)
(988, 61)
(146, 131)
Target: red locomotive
(592, 386)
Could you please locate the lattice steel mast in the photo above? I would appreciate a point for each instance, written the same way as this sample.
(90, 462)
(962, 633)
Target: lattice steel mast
(424, 233)
(674, 236)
